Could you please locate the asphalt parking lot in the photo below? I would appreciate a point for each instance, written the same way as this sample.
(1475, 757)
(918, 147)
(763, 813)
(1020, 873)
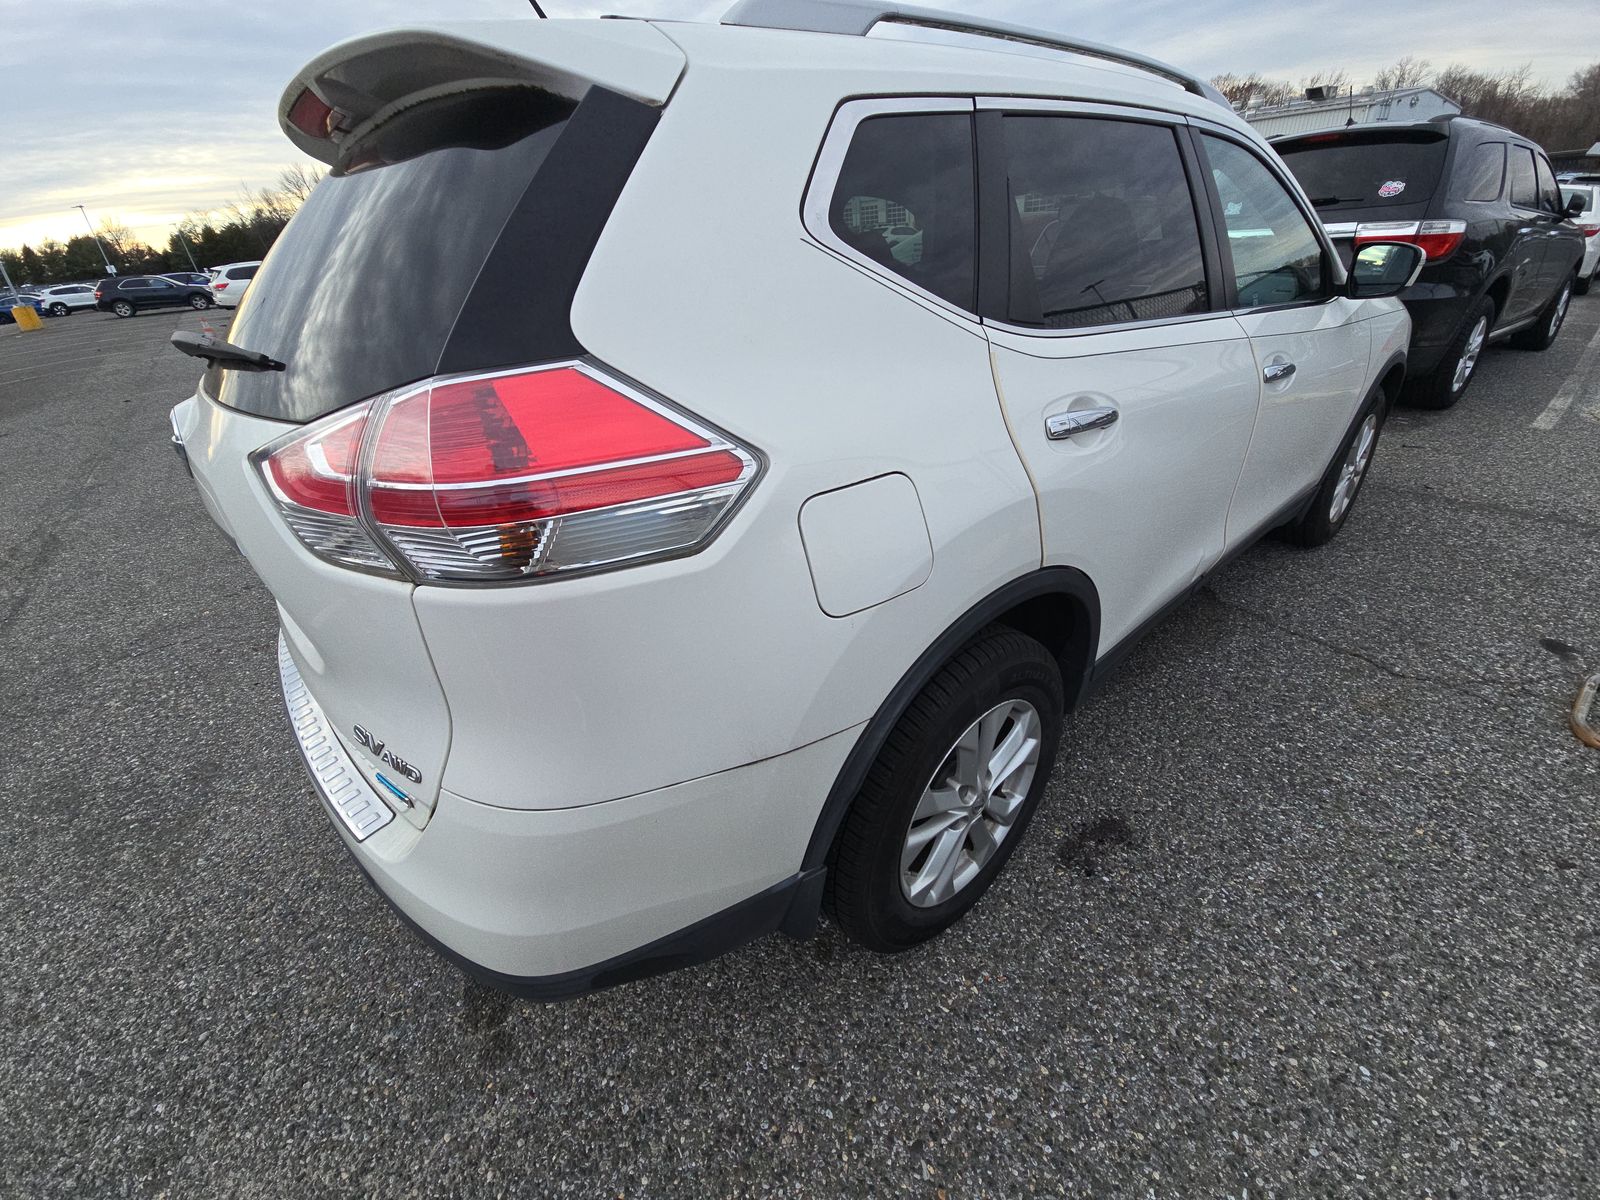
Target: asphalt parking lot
(1310, 909)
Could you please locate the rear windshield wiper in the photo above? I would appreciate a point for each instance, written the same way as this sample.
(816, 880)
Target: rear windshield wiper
(1324, 201)
(223, 354)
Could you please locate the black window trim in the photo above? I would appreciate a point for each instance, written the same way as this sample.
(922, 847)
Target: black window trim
(817, 200)
(1510, 193)
(994, 230)
(1333, 272)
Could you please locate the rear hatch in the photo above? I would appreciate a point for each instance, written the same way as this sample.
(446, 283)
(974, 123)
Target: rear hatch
(466, 163)
(1382, 178)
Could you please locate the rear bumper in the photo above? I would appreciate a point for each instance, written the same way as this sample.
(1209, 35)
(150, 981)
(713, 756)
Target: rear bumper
(551, 903)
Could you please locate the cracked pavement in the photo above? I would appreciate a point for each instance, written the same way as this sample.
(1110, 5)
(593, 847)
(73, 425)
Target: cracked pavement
(1310, 907)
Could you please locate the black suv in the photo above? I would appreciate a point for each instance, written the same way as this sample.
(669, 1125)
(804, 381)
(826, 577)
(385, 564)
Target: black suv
(126, 295)
(1482, 201)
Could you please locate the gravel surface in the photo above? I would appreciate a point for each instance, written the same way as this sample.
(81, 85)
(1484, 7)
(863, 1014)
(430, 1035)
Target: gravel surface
(1310, 908)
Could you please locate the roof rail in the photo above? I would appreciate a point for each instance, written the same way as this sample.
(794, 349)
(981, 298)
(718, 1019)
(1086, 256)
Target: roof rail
(860, 17)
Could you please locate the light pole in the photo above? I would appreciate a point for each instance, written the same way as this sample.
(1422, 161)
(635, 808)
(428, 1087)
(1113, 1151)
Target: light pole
(189, 254)
(110, 270)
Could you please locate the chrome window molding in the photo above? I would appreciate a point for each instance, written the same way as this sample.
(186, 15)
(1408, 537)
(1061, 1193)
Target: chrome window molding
(818, 198)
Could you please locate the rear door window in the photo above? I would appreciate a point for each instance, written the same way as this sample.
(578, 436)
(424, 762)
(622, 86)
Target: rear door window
(1276, 257)
(1524, 180)
(1366, 169)
(243, 272)
(1483, 174)
(906, 199)
(1103, 228)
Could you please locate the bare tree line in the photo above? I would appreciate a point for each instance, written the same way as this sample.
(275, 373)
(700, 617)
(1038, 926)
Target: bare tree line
(1559, 118)
(242, 230)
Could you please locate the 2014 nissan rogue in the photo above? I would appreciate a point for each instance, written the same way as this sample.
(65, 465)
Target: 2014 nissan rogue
(697, 465)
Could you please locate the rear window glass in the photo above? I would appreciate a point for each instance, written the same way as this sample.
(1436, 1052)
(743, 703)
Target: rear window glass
(906, 200)
(243, 272)
(1347, 171)
(360, 292)
(1483, 174)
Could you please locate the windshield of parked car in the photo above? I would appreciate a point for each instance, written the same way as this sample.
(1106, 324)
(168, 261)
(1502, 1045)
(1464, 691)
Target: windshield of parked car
(1366, 168)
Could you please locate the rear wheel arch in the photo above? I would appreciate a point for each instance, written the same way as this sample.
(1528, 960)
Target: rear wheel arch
(1498, 293)
(1057, 606)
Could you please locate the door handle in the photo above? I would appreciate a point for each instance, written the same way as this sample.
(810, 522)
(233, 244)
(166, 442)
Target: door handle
(1278, 372)
(1068, 424)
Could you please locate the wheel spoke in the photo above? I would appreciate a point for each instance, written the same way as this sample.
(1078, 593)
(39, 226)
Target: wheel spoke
(969, 757)
(983, 841)
(1020, 745)
(935, 801)
(937, 872)
(921, 835)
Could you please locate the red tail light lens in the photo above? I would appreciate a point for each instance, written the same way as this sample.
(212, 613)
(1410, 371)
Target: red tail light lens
(518, 474)
(1437, 239)
(97, 293)
(220, 286)
(312, 116)
(312, 476)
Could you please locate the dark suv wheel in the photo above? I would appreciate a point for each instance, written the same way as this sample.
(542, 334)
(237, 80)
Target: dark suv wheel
(199, 302)
(1448, 381)
(123, 308)
(1541, 335)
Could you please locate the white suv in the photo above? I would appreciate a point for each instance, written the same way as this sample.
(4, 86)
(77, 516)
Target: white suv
(228, 283)
(734, 488)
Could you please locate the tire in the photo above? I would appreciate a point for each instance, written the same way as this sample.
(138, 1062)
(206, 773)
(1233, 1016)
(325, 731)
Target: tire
(123, 308)
(1448, 382)
(1580, 287)
(1000, 687)
(59, 309)
(199, 303)
(1541, 335)
(1341, 484)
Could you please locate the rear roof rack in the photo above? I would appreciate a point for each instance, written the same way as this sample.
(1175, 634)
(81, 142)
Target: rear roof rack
(860, 17)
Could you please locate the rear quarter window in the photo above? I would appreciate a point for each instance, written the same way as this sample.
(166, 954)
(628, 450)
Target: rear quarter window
(906, 200)
(1482, 174)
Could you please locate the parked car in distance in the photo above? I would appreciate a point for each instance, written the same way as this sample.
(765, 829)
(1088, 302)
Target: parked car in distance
(66, 298)
(618, 629)
(125, 295)
(1483, 202)
(228, 283)
(188, 278)
(1582, 201)
(10, 300)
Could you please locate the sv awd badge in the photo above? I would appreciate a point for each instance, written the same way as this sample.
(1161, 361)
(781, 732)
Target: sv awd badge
(379, 750)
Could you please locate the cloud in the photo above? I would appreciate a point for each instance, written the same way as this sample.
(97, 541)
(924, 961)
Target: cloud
(145, 111)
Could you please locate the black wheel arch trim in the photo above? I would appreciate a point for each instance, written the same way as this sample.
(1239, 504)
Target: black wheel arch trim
(1067, 583)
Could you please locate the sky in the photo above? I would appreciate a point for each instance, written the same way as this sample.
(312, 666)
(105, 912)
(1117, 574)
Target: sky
(145, 110)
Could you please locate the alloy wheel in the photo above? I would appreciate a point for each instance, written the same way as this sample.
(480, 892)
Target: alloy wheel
(1469, 354)
(970, 804)
(1354, 467)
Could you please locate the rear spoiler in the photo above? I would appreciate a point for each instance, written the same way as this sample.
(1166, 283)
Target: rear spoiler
(357, 85)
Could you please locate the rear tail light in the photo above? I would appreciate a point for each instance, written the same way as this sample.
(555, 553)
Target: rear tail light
(97, 293)
(219, 286)
(1437, 239)
(1589, 230)
(513, 475)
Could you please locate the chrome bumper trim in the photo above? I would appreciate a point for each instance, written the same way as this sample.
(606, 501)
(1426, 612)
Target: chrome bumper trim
(338, 782)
